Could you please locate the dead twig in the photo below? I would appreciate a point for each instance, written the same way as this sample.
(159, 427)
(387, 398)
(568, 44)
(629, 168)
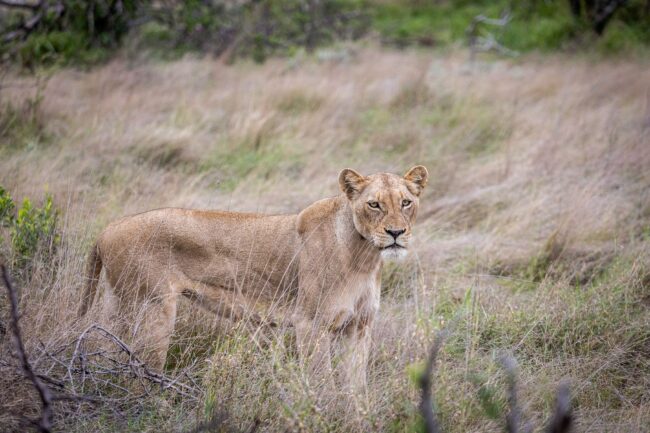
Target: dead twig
(44, 424)
(38, 10)
(561, 420)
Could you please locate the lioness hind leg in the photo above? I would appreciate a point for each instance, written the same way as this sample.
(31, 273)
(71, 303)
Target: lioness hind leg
(149, 324)
(158, 327)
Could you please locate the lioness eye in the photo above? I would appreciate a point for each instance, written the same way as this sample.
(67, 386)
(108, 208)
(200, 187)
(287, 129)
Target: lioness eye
(373, 204)
(406, 203)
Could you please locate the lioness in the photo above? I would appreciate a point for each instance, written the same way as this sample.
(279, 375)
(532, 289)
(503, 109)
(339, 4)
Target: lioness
(320, 269)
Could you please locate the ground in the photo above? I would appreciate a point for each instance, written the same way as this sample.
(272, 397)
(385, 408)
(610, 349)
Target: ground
(533, 235)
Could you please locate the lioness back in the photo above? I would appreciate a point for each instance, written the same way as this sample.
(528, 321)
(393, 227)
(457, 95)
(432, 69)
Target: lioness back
(235, 251)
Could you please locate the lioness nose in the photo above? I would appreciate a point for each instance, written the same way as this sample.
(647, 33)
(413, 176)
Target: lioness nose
(395, 233)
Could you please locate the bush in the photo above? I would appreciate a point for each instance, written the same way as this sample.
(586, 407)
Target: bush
(32, 229)
(57, 48)
(65, 31)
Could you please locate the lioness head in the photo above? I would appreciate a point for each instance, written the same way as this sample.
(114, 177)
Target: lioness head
(384, 206)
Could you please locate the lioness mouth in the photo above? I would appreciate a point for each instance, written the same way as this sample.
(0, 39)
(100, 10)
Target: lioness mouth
(392, 247)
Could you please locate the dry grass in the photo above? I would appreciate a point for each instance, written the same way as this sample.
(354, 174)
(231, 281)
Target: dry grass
(533, 238)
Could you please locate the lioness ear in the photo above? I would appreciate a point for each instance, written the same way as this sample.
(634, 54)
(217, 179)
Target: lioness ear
(418, 176)
(351, 182)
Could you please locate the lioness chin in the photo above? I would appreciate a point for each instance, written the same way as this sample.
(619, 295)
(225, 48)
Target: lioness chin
(318, 270)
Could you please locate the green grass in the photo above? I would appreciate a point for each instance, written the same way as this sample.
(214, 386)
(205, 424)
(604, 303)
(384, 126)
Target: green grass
(256, 159)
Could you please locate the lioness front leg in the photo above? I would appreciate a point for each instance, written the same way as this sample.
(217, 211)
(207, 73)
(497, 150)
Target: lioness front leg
(355, 348)
(314, 346)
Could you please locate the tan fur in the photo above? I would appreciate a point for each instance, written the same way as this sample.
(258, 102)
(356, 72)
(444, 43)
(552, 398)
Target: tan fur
(319, 270)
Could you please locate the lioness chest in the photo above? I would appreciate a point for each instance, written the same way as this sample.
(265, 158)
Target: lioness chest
(357, 301)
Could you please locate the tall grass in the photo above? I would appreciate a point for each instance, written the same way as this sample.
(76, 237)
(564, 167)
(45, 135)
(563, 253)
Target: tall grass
(533, 238)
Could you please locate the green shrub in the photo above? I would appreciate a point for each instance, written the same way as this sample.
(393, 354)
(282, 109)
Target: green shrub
(33, 229)
(68, 31)
(50, 47)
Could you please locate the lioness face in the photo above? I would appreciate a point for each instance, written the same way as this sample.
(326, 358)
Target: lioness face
(384, 207)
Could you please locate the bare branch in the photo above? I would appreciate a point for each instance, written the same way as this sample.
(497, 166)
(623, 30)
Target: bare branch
(108, 363)
(607, 12)
(514, 419)
(426, 401)
(45, 422)
(562, 419)
(20, 4)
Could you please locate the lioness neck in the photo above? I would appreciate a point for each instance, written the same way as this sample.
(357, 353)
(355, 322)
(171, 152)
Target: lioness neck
(363, 255)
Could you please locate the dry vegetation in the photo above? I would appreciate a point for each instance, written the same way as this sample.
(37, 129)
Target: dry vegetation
(534, 237)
